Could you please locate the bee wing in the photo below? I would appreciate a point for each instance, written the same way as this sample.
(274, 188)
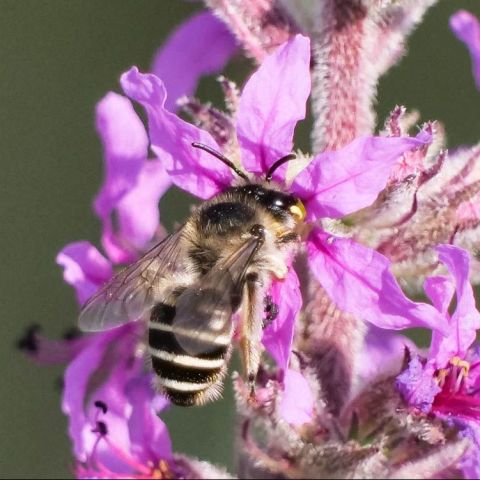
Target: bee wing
(133, 291)
(203, 314)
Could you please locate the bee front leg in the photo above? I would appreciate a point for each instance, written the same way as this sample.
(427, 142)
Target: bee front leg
(251, 329)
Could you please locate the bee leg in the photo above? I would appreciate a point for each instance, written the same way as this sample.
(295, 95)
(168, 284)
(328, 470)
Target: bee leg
(251, 329)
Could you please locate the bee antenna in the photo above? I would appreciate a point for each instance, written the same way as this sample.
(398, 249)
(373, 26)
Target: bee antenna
(279, 163)
(222, 158)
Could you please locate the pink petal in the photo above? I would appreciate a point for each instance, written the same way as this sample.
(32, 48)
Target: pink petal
(297, 403)
(359, 281)
(440, 291)
(149, 436)
(272, 102)
(125, 146)
(465, 320)
(84, 268)
(138, 215)
(78, 375)
(171, 139)
(466, 28)
(337, 183)
(200, 46)
(383, 352)
(278, 336)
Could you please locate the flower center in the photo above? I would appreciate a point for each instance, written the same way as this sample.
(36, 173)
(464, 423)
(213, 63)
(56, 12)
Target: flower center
(452, 378)
(456, 397)
(94, 467)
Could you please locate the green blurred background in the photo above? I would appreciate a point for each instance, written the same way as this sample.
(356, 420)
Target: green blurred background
(57, 59)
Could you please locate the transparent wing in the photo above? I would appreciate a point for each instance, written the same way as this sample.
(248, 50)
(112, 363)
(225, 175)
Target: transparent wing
(132, 291)
(202, 320)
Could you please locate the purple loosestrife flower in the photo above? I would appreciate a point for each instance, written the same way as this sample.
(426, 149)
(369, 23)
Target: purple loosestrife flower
(330, 408)
(333, 184)
(447, 382)
(131, 443)
(431, 196)
(127, 205)
(134, 442)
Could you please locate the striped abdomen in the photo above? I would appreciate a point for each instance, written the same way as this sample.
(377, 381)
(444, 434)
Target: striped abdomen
(185, 378)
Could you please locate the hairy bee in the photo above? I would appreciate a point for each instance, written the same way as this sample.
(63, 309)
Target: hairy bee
(222, 260)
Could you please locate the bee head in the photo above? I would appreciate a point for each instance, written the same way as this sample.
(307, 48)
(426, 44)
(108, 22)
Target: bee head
(280, 205)
(283, 205)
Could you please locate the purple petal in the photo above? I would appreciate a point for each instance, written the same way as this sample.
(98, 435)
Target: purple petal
(383, 352)
(171, 139)
(84, 268)
(465, 320)
(272, 102)
(359, 281)
(297, 403)
(138, 216)
(278, 336)
(417, 385)
(466, 28)
(113, 349)
(149, 436)
(337, 183)
(440, 291)
(77, 376)
(125, 146)
(200, 46)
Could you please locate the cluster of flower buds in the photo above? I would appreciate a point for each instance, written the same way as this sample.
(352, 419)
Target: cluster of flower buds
(344, 396)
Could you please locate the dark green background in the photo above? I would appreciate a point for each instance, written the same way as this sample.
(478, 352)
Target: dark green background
(57, 59)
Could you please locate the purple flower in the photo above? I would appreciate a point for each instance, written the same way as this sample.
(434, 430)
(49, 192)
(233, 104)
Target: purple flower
(447, 382)
(466, 28)
(333, 184)
(200, 46)
(297, 402)
(133, 183)
(129, 443)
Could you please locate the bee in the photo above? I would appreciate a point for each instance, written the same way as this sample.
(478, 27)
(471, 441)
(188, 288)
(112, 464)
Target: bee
(189, 286)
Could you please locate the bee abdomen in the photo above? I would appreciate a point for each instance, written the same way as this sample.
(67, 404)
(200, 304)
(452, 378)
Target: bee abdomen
(185, 378)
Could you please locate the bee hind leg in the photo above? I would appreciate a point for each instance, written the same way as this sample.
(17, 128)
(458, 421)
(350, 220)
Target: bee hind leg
(251, 330)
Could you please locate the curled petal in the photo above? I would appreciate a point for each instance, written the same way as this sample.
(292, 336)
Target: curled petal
(84, 268)
(297, 403)
(440, 291)
(278, 336)
(465, 320)
(200, 46)
(337, 183)
(125, 146)
(138, 216)
(272, 102)
(466, 28)
(171, 139)
(359, 281)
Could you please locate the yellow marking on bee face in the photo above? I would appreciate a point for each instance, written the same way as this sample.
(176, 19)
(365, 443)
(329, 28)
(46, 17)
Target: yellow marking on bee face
(298, 211)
